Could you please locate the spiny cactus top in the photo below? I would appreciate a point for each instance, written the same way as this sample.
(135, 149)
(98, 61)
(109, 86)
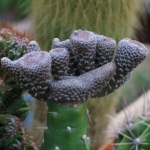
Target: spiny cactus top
(13, 44)
(81, 66)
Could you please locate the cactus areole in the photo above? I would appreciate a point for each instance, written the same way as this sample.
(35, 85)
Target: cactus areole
(66, 77)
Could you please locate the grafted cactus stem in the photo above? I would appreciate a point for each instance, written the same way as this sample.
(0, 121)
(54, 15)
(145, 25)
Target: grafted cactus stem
(66, 127)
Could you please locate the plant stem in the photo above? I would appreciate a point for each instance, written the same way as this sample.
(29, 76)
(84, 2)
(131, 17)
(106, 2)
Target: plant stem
(66, 127)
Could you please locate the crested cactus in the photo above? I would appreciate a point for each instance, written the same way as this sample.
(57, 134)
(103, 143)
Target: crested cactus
(59, 18)
(67, 95)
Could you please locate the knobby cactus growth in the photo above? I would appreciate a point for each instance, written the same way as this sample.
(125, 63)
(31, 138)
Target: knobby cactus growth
(66, 77)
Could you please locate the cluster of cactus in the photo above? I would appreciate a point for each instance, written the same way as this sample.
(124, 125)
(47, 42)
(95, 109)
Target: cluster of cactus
(73, 71)
(13, 107)
(13, 136)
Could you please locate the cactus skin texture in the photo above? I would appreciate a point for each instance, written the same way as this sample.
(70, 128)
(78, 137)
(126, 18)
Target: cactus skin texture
(67, 95)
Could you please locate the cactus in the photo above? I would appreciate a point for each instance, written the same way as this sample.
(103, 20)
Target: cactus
(12, 134)
(94, 73)
(101, 16)
(12, 45)
(107, 17)
(135, 135)
(13, 107)
(134, 131)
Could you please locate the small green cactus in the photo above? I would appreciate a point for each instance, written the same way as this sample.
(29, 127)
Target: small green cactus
(133, 132)
(12, 135)
(134, 136)
(46, 77)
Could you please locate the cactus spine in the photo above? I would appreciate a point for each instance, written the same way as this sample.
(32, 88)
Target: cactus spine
(32, 71)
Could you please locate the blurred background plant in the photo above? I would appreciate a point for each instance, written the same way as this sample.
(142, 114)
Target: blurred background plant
(12, 10)
(117, 19)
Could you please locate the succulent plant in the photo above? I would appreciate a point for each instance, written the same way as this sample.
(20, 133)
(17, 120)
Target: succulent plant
(47, 77)
(12, 134)
(131, 127)
(13, 107)
(13, 45)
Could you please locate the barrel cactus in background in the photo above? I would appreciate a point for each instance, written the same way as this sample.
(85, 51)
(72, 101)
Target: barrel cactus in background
(131, 130)
(81, 67)
(105, 17)
(135, 135)
(13, 107)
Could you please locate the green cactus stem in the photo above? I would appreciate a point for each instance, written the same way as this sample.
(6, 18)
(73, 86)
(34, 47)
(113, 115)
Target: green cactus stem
(46, 78)
(66, 127)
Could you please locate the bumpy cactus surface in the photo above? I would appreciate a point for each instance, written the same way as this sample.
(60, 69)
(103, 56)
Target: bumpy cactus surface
(81, 67)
